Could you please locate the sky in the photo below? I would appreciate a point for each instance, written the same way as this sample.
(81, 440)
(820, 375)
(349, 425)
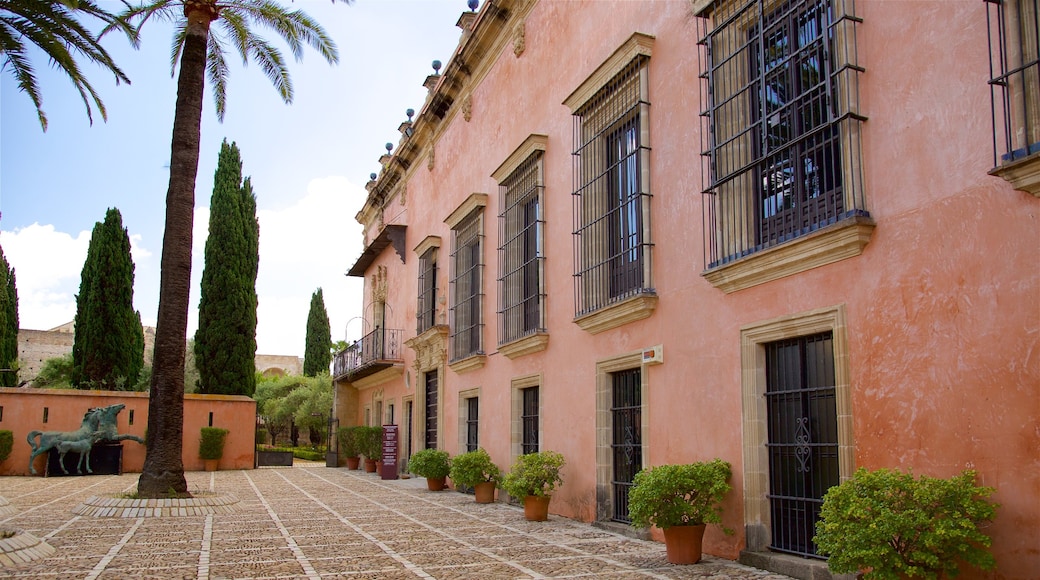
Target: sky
(308, 161)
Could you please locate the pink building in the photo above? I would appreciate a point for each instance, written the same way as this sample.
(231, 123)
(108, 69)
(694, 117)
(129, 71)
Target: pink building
(799, 235)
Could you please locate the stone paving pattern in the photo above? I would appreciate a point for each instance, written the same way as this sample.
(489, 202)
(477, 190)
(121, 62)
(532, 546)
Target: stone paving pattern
(310, 521)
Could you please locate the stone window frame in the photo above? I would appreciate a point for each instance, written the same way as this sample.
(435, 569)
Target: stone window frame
(468, 214)
(426, 301)
(604, 314)
(531, 151)
(754, 415)
(464, 397)
(733, 260)
(516, 425)
(604, 432)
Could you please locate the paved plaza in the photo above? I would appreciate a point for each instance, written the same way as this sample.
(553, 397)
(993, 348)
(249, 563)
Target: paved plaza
(310, 521)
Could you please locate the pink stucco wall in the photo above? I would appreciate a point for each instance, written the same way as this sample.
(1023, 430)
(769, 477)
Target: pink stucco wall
(23, 412)
(943, 306)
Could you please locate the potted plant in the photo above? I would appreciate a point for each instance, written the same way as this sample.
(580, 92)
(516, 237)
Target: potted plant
(889, 525)
(348, 446)
(433, 464)
(211, 446)
(475, 469)
(370, 444)
(533, 477)
(680, 500)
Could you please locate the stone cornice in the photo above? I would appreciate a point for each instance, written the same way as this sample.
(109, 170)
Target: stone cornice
(840, 241)
(485, 35)
(526, 345)
(637, 44)
(384, 376)
(533, 143)
(431, 348)
(629, 310)
(427, 243)
(473, 202)
(1022, 174)
(470, 363)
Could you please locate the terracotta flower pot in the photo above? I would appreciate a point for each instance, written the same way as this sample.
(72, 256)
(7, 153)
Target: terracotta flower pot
(379, 468)
(210, 464)
(683, 543)
(353, 462)
(536, 508)
(370, 465)
(485, 492)
(436, 483)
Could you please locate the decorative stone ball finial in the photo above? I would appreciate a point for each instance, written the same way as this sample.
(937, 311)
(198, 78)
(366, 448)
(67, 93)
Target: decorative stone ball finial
(389, 148)
(437, 67)
(372, 176)
(410, 113)
(473, 5)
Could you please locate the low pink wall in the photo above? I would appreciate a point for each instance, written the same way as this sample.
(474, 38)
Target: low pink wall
(22, 410)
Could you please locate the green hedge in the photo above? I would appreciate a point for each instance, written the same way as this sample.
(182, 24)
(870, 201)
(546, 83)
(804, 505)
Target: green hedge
(6, 444)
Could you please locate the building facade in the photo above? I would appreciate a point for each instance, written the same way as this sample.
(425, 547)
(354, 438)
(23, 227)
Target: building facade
(797, 235)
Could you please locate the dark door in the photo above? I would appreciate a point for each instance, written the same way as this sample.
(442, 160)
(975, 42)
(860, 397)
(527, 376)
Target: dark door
(803, 437)
(627, 440)
(431, 410)
(408, 412)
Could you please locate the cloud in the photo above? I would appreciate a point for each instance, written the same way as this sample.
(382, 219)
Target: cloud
(307, 245)
(47, 266)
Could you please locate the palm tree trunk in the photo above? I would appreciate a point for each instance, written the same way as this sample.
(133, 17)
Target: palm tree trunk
(163, 468)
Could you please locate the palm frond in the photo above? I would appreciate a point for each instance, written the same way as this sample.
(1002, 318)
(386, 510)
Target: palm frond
(180, 33)
(217, 72)
(54, 27)
(23, 72)
(234, 24)
(295, 27)
(273, 65)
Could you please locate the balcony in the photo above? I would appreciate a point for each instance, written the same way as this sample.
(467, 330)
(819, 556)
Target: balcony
(374, 352)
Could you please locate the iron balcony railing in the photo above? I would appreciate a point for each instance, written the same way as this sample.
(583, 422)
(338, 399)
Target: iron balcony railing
(377, 349)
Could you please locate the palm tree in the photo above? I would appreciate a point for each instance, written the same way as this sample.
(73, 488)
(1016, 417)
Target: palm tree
(54, 27)
(201, 55)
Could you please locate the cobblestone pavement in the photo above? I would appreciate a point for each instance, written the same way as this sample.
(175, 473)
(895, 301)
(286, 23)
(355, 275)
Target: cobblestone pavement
(310, 521)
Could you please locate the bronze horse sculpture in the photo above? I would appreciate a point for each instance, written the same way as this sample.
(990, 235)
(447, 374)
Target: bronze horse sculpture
(99, 424)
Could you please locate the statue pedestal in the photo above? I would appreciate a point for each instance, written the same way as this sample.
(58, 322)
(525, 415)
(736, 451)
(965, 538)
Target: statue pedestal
(105, 459)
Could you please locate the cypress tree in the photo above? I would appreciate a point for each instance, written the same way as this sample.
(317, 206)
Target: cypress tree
(8, 324)
(108, 348)
(225, 343)
(318, 352)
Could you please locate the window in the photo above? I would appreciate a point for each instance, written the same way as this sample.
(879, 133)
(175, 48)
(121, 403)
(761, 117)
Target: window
(612, 191)
(466, 284)
(1014, 37)
(472, 416)
(427, 307)
(529, 421)
(781, 151)
(521, 295)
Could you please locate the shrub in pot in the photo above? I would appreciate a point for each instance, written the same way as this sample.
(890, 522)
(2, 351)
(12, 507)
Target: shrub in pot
(6, 444)
(348, 446)
(889, 525)
(680, 500)
(475, 469)
(433, 464)
(533, 478)
(370, 444)
(211, 446)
